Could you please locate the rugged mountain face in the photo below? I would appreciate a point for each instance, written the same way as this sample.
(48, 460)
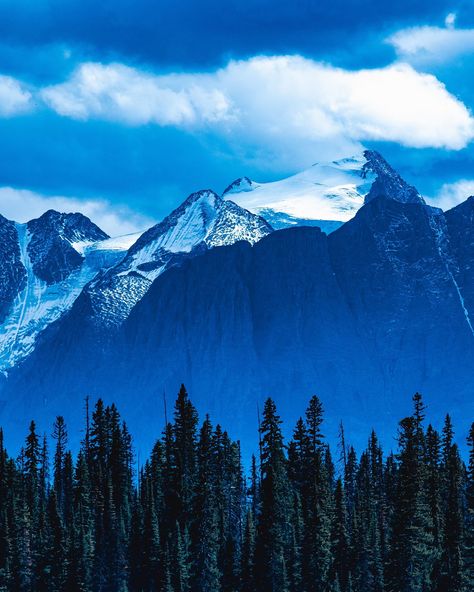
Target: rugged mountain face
(45, 263)
(326, 195)
(395, 266)
(51, 244)
(203, 221)
(364, 317)
(387, 181)
(12, 271)
(460, 225)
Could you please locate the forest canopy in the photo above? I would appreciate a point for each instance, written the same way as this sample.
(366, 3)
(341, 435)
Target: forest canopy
(307, 518)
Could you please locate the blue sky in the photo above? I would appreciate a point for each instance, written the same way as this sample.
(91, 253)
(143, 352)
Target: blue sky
(122, 108)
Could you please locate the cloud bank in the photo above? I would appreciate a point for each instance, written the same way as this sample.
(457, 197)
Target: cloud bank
(22, 205)
(283, 99)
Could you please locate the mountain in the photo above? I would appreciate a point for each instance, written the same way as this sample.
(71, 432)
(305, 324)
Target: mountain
(363, 317)
(50, 262)
(45, 264)
(51, 244)
(64, 260)
(326, 195)
(203, 221)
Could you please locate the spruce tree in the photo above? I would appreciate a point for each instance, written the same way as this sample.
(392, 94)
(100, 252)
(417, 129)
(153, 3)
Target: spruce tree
(339, 541)
(32, 466)
(247, 569)
(394, 523)
(452, 574)
(274, 524)
(317, 509)
(185, 425)
(151, 562)
(60, 435)
(205, 532)
(412, 549)
(181, 561)
(469, 515)
(56, 547)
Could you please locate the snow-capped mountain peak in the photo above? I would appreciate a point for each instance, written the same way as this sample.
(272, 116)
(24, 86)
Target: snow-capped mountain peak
(203, 221)
(327, 194)
(388, 182)
(51, 240)
(48, 261)
(240, 185)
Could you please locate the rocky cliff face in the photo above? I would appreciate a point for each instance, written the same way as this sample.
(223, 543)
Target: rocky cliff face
(12, 270)
(51, 244)
(45, 265)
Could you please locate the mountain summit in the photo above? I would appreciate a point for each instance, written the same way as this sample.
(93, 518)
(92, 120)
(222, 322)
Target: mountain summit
(45, 264)
(325, 195)
(203, 221)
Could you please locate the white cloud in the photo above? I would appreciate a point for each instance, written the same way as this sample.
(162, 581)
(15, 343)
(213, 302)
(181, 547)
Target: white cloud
(285, 106)
(426, 45)
(22, 205)
(452, 194)
(14, 97)
(117, 92)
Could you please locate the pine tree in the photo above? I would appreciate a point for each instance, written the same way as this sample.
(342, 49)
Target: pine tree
(185, 425)
(136, 552)
(339, 540)
(412, 543)
(190, 524)
(298, 455)
(452, 575)
(205, 534)
(247, 569)
(6, 502)
(56, 547)
(82, 543)
(274, 524)
(469, 516)
(151, 538)
(22, 558)
(68, 490)
(171, 505)
(317, 509)
(32, 463)
(434, 483)
(296, 544)
(60, 435)
(181, 561)
(254, 490)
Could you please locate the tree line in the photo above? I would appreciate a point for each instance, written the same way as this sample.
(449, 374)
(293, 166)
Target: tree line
(190, 520)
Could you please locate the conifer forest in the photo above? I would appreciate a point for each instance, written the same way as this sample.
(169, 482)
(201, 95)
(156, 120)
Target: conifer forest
(304, 517)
